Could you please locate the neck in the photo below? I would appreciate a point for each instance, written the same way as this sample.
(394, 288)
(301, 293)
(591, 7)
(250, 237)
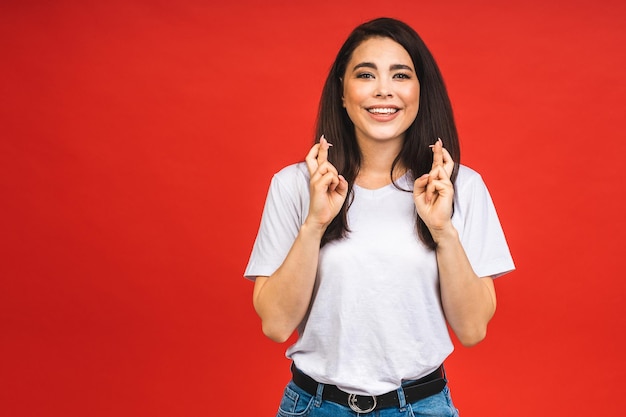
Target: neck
(376, 162)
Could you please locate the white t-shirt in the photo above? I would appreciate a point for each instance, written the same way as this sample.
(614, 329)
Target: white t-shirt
(376, 317)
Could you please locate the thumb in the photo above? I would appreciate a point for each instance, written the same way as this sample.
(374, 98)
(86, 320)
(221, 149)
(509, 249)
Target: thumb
(419, 186)
(342, 187)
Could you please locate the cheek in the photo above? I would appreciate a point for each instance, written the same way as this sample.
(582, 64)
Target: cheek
(414, 97)
(414, 94)
(350, 102)
(355, 93)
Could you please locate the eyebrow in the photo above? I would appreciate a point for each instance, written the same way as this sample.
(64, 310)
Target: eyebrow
(394, 67)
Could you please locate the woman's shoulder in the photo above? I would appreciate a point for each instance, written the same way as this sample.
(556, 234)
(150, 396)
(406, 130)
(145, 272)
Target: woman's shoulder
(469, 184)
(294, 173)
(293, 178)
(297, 170)
(467, 176)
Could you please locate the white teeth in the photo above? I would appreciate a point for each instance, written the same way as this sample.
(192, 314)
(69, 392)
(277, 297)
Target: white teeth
(382, 110)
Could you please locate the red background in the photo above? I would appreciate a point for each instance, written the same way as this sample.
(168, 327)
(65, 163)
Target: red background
(137, 143)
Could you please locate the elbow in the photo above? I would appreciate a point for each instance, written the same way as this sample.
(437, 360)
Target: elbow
(276, 333)
(472, 337)
(274, 327)
(472, 332)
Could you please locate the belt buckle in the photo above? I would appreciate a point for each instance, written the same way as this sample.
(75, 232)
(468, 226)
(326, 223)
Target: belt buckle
(354, 406)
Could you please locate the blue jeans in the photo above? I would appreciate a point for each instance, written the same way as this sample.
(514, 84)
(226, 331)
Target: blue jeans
(298, 403)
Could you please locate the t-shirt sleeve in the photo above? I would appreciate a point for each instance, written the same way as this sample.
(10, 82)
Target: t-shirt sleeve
(481, 233)
(284, 212)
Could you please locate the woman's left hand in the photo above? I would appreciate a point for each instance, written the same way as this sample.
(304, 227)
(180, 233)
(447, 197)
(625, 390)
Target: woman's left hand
(433, 193)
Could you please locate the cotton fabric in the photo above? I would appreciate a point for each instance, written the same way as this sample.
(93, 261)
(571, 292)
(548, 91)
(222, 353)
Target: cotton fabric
(376, 317)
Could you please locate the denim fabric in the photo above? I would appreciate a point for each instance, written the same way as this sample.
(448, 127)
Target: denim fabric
(299, 403)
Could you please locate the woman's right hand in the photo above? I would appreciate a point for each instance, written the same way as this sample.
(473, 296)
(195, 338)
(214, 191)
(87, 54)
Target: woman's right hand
(328, 188)
(282, 299)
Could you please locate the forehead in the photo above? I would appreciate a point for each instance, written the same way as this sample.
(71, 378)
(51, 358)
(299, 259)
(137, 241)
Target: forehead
(379, 50)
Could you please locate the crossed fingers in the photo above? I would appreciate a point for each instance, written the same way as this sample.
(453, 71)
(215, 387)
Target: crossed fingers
(442, 158)
(438, 179)
(319, 167)
(317, 159)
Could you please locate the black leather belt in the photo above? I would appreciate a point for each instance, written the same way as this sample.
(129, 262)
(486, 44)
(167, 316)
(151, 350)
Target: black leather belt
(424, 387)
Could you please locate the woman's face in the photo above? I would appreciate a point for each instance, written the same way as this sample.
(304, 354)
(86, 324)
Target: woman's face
(380, 90)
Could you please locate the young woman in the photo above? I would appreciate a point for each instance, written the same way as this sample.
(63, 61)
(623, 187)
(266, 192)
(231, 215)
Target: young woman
(378, 240)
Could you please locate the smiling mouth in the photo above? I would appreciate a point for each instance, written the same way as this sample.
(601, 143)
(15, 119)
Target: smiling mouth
(382, 110)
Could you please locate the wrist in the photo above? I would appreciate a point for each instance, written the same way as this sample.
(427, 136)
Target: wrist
(313, 229)
(445, 235)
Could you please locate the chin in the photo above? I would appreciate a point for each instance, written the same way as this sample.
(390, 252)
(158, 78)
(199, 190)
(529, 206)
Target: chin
(388, 136)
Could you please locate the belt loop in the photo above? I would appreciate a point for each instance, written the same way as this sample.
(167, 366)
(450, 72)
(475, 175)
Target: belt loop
(401, 398)
(318, 395)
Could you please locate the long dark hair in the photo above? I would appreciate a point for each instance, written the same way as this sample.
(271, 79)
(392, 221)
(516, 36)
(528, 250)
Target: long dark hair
(434, 118)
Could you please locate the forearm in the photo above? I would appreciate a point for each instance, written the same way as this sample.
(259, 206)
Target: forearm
(282, 300)
(468, 301)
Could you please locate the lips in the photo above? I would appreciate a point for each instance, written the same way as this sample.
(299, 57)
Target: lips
(382, 110)
(383, 114)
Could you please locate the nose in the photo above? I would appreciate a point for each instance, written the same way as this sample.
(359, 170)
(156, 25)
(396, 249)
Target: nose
(383, 89)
